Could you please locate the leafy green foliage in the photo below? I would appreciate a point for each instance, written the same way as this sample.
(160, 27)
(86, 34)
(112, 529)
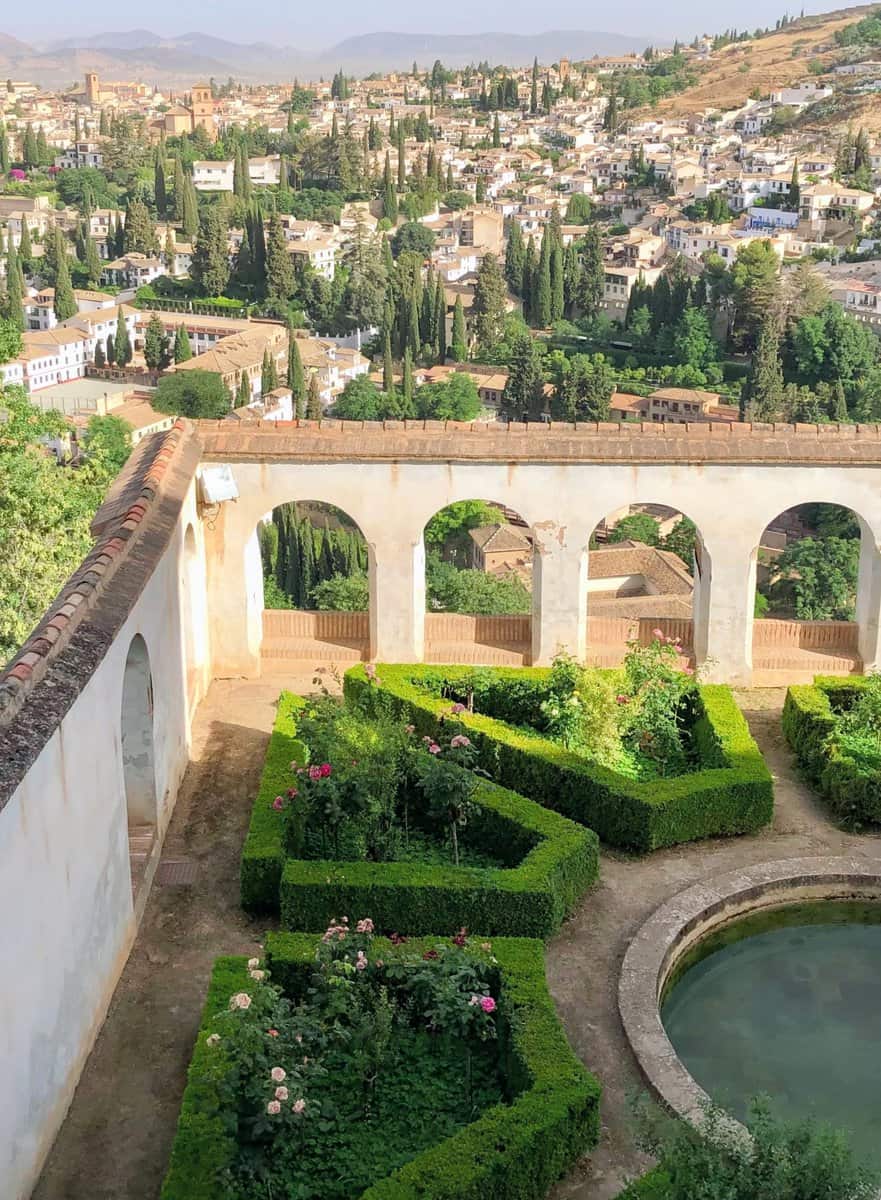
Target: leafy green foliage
(636, 527)
(779, 1161)
(822, 573)
(45, 513)
(730, 792)
(192, 394)
(449, 589)
(517, 1149)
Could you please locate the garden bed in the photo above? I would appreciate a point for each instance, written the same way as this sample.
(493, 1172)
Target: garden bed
(832, 728)
(729, 789)
(544, 862)
(543, 1108)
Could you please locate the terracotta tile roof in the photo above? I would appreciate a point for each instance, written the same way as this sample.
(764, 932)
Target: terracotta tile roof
(499, 539)
(132, 528)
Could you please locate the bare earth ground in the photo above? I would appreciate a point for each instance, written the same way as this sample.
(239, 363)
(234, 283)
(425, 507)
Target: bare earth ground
(116, 1140)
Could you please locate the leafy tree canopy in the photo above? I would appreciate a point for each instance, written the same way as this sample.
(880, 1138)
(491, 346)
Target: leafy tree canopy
(192, 394)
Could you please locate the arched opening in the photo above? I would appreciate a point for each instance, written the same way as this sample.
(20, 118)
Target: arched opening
(806, 583)
(478, 584)
(315, 564)
(648, 569)
(138, 758)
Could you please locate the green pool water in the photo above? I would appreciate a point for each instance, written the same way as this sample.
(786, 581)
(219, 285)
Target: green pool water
(788, 1005)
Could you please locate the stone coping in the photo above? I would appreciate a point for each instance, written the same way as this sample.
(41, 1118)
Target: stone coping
(687, 919)
(558, 442)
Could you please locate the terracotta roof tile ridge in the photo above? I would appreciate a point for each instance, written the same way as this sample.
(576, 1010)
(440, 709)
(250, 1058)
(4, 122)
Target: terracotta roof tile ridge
(90, 579)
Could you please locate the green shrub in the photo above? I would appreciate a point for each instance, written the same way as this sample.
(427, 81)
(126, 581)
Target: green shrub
(550, 861)
(511, 1152)
(531, 899)
(654, 1185)
(262, 857)
(732, 793)
(832, 755)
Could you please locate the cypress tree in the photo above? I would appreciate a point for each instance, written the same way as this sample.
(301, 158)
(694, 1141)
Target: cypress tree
(389, 197)
(243, 395)
(313, 404)
(122, 347)
(139, 232)
(388, 372)
(103, 127)
(65, 303)
(533, 95)
(449, 177)
(279, 268)
(558, 302)
(154, 340)
(92, 261)
(408, 408)
(4, 149)
(159, 191)
(170, 250)
(402, 161)
(283, 181)
(296, 379)
(459, 341)
(268, 374)
(210, 265)
(25, 251)
(497, 133)
(182, 348)
(592, 281)
(100, 356)
(190, 217)
(179, 188)
(515, 258)
(762, 392)
(15, 289)
(543, 307)
(440, 314)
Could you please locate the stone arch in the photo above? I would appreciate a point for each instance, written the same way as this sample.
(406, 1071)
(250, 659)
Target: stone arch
(301, 546)
(482, 539)
(137, 737)
(809, 630)
(648, 568)
(192, 610)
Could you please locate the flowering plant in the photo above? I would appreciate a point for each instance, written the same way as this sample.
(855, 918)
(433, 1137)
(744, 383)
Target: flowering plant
(652, 702)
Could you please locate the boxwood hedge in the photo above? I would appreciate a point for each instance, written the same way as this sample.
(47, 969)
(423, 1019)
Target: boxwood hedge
(514, 1151)
(262, 857)
(560, 861)
(852, 788)
(732, 793)
(553, 861)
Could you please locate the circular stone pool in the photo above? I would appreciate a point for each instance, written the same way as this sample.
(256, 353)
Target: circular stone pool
(788, 1004)
(765, 981)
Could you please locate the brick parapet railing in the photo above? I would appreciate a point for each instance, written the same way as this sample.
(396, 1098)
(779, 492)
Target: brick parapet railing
(591, 442)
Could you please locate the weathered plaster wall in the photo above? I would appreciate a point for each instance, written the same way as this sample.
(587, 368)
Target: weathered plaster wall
(66, 910)
(731, 503)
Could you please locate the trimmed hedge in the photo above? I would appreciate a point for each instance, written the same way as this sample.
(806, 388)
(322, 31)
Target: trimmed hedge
(511, 1152)
(852, 789)
(732, 794)
(530, 899)
(556, 861)
(262, 854)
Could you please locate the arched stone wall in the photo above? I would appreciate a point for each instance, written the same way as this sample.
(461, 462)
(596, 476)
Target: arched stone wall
(731, 503)
(136, 736)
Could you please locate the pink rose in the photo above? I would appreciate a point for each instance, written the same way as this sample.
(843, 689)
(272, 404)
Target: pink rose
(273, 1108)
(292, 793)
(658, 633)
(623, 699)
(278, 1074)
(324, 770)
(361, 961)
(272, 1033)
(459, 740)
(281, 1093)
(365, 926)
(457, 708)
(488, 1004)
(278, 804)
(240, 1000)
(434, 748)
(314, 773)
(298, 1106)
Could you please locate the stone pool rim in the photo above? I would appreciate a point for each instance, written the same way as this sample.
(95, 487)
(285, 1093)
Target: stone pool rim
(679, 924)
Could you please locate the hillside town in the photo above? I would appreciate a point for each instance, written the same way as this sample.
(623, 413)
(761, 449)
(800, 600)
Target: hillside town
(321, 247)
(440, 608)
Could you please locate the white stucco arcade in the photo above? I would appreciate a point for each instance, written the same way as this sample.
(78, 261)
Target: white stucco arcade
(731, 503)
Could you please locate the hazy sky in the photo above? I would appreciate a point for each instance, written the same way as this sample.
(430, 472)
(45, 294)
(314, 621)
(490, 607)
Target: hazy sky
(315, 26)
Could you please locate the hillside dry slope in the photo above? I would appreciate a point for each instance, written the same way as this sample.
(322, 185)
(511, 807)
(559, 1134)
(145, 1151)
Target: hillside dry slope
(723, 82)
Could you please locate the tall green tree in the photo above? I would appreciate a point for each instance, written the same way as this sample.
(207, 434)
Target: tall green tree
(313, 404)
(488, 306)
(159, 190)
(154, 343)
(592, 281)
(296, 379)
(210, 265)
(762, 394)
(279, 268)
(122, 346)
(64, 304)
(523, 397)
(182, 348)
(459, 337)
(140, 232)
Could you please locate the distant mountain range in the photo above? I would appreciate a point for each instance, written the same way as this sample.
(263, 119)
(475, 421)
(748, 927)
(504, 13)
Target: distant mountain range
(141, 54)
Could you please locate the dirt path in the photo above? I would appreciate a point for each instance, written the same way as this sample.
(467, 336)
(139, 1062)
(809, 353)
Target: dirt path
(116, 1140)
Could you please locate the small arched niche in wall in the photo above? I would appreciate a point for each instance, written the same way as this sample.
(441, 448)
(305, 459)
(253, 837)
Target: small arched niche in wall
(138, 757)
